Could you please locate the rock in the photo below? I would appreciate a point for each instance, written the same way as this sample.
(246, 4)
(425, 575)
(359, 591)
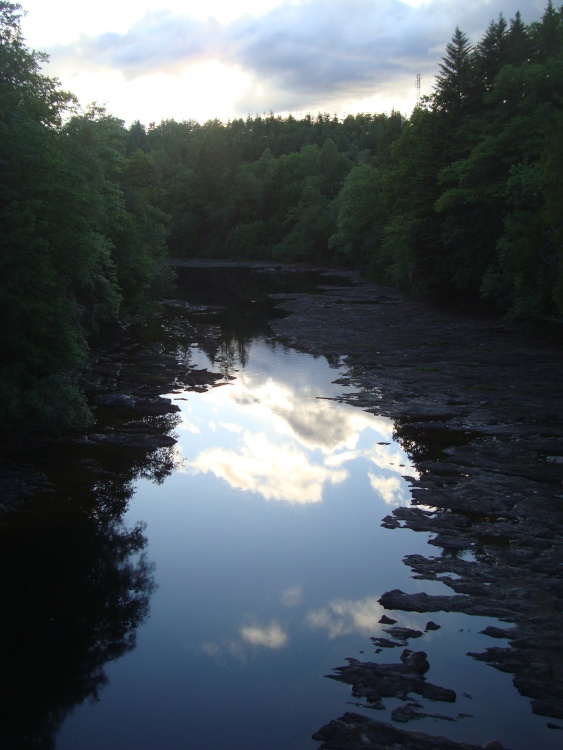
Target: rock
(356, 732)
(384, 620)
(422, 602)
(405, 713)
(386, 643)
(403, 634)
(122, 400)
(374, 681)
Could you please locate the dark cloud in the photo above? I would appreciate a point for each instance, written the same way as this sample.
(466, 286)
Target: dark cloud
(301, 55)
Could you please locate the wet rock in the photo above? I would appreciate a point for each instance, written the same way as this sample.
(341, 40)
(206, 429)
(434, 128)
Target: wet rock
(390, 523)
(495, 632)
(385, 620)
(122, 400)
(403, 634)
(422, 602)
(548, 708)
(374, 681)
(409, 711)
(386, 643)
(406, 712)
(355, 732)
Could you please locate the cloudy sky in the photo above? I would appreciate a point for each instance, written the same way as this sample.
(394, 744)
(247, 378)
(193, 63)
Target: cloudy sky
(199, 59)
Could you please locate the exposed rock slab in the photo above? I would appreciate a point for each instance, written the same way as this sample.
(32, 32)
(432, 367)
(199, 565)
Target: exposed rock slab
(355, 732)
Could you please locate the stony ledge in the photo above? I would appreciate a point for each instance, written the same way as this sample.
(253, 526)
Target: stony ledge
(479, 409)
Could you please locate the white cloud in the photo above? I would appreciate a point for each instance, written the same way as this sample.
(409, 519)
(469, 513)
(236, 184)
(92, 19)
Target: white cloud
(270, 636)
(277, 472)
(345, 616)
(391, 489)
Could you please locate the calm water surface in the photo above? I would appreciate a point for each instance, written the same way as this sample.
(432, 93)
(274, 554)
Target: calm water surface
(269, 560)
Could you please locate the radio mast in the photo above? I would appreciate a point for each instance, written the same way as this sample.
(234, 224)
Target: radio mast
(417, 89)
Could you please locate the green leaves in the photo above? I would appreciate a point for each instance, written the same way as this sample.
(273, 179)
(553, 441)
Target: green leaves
(80, 237)
(474, 191)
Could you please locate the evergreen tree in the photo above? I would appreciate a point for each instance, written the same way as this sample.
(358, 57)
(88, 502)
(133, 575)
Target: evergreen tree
(491, 54)
(455, 84)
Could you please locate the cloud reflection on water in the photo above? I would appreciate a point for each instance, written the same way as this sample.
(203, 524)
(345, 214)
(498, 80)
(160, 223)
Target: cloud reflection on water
(289, 444)
(391, 490)
(269, 636)
(277, 472)
(339, 617)
(292, 596)
(346, 616)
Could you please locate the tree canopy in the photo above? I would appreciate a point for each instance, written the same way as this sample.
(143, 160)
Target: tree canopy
(81, 239)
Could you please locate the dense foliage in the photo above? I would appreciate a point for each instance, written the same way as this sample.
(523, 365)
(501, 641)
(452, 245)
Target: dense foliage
(81, 239)
(462, 202)
(263, 187)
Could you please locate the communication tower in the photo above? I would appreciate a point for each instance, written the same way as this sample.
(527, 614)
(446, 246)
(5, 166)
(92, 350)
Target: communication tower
(417, 89)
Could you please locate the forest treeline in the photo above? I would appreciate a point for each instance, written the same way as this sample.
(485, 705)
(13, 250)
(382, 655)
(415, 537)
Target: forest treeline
(460, 203)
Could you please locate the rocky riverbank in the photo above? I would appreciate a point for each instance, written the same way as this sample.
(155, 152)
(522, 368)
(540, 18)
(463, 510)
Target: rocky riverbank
(126, 382)
(480, 411)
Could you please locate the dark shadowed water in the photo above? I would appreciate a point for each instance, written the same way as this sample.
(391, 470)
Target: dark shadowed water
(247, 574)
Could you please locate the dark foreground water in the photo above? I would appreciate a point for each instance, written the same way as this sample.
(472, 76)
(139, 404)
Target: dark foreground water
(207, 614)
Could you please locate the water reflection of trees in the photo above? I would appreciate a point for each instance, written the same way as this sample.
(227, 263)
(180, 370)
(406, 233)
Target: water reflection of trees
(419, 444)
(75, 588)
(76, 585)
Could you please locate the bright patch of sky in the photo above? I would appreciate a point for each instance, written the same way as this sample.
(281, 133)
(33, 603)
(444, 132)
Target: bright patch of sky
(184, 59)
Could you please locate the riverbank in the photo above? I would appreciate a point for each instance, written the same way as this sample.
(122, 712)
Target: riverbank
(477, 408)
(480, 411)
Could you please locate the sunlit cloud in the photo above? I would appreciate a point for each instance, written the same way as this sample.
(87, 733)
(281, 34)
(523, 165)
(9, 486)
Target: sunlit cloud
(269, 636)
(346, 616)
(229, 426)
(391, 489)
(339, 459)
(277, 472)
(313, 422)
(274, 395)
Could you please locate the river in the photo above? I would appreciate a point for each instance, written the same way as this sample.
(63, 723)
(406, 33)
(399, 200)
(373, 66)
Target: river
(227, 578)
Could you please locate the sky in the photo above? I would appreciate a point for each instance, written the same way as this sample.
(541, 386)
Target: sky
(204, 59)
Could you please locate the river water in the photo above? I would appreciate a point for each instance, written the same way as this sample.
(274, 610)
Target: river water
(245, 573)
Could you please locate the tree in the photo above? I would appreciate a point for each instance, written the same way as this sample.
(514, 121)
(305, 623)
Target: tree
(40, 333)
(491, 54)
(518, 45)
(361, 218)
(455, 84)
(80, 238)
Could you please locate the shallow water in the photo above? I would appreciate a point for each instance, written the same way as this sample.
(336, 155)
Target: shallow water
(269, 560)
